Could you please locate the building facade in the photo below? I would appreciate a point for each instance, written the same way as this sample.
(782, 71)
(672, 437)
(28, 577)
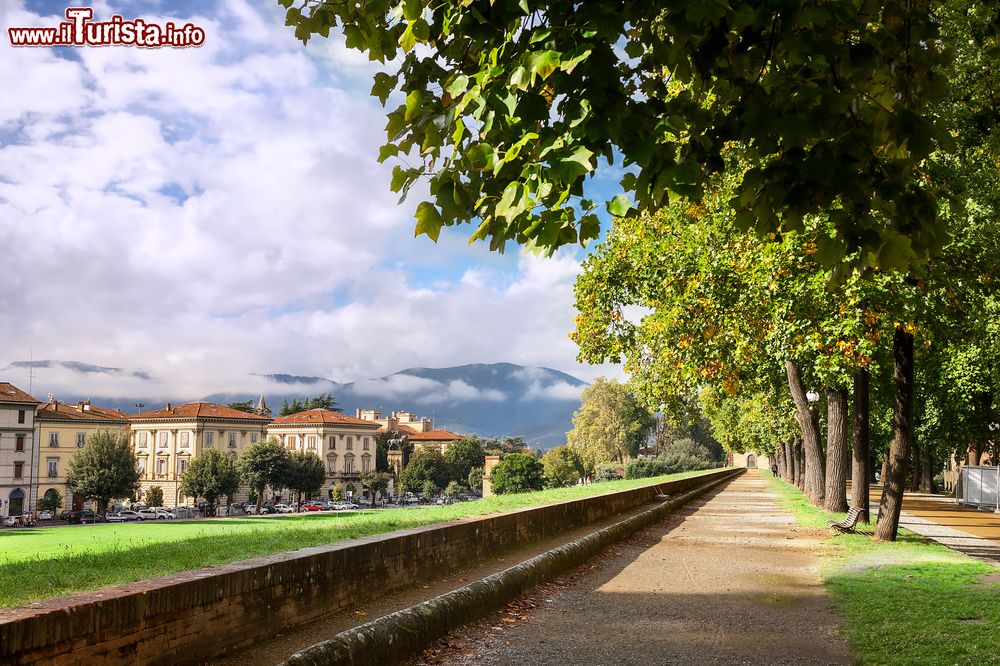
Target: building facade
(18, 450)
(166, 441)
(752, 460)
(345, 444)
(418, 430)
(61, 430)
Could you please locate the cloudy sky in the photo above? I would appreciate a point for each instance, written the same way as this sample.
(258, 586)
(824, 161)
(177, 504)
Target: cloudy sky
(201, 214)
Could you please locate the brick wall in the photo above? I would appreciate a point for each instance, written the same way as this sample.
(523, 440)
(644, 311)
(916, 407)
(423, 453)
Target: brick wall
(193, 615)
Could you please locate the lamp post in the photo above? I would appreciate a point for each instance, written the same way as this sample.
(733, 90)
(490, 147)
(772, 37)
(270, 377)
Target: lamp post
(993, 427)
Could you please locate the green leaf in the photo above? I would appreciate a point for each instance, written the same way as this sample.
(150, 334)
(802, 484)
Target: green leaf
(543, 63)
(482, 157)
(513, 202)
(568, 169)
(387, 151)
(414, 100)
(619, 206)
(383, 86)
(458, 85)
(412, 9)
(539, 35)
(428, 221)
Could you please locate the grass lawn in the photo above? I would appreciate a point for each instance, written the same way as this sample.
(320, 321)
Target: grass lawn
(47, 562)
(909, 602)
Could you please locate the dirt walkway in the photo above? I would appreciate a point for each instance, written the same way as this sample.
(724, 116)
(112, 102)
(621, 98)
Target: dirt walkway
(729, 580)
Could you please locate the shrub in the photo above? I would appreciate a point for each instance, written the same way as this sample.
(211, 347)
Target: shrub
(154, 496)
(517, 473)
(563, 467)
(608, 472)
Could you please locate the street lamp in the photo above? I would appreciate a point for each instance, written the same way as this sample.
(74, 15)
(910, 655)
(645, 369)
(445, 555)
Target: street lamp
(812, 396)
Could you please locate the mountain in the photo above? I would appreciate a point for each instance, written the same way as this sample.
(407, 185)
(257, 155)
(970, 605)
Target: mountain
(486, 399)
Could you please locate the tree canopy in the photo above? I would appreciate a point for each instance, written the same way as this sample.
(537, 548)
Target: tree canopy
(321, 401)
(517, 473)
(211, 475)
(610, 424)
(263, 464)
(104, 469)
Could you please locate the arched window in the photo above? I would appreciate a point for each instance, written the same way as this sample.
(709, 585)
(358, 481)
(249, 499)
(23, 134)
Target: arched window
(16, 505)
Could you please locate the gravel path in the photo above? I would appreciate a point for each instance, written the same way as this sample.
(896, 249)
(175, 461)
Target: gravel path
(729, 580)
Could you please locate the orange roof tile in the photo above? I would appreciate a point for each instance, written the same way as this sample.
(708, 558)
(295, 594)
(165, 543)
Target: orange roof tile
(199, 410)
(58, 411)
(10, 393)
(315, 416)
(433, 436)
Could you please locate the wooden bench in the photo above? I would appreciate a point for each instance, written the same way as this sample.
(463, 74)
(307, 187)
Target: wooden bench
(847, 525)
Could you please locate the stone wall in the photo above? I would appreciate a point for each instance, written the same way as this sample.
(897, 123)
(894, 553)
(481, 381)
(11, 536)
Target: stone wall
(190, 616)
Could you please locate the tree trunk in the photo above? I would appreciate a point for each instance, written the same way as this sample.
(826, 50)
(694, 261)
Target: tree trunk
(793, 457)
(861, 455)
(885, 467)
(815, 486)
(926, 470)
(800, 452)
(786, 450)
(836, 450)
(975, 453)
(914, 468)
(902, 436)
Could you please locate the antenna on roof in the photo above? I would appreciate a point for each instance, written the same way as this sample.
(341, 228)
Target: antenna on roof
(31, 368)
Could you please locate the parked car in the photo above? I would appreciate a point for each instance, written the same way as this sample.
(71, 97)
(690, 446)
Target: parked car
(341, 506)
(45, 514)
(25, 520)
(156, 513)
(65, 513)
(84, 516)
(123, 516)
(283, 508)
(312, 505)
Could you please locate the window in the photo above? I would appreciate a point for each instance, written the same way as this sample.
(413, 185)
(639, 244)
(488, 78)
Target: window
(19, 442)
(161, 467)
(20, 416)
(350, 443)
(53, 464)
(312, 441)
(366, 464)
(182, 466)
(253, 438)
(185, 439)
(209, 439)
(81, 439)
(162, 440)
(349, 465)
(18, 470)
(333, 442)
(365, 443)
(332, 460)
(140, 439)
(142, 466)
(232, 440)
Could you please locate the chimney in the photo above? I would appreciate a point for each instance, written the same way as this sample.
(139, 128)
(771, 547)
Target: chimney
(55, 405)
(167, 407)
(84, 405)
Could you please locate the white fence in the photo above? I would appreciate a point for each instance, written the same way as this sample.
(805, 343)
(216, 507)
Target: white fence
(978, 487)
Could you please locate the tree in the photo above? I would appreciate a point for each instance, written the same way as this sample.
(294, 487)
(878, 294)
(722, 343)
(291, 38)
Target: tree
(610, 424)
(429, 489)
(263, 464)
(425, 465)
(562, 467)
(321, 401)
(247, 406)
(509, 109)
(211, 475)
(50, 501)
(517, 473)
(463, 456)
(476, 480)
(305, 474)
(453, 490)
(504, 445)
(377, 482)
(104, 469)
(154, 496)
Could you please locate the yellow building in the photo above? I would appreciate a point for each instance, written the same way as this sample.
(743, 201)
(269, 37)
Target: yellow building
(345, 444)
(166, 441)
(61, 429)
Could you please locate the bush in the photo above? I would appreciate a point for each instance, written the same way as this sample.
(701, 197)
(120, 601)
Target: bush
(684, 455)
(476, 480)
(608, 472)
(51, 500)
(645, 468)
(563, 467)
(430, 489)
(154, 496)
(424, 465)
(517, 473)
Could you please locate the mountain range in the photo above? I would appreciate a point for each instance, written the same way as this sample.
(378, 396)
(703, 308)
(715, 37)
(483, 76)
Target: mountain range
(485, 399)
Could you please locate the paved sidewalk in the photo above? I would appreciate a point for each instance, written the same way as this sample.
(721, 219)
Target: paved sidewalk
(730, 579)
(965, 529)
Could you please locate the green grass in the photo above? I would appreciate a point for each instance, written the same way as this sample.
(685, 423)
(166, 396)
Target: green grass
(46, 562)
(907, 602)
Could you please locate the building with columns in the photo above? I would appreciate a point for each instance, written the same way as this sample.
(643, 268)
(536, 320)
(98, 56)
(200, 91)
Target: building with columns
(165, 441)
(345, 444)
(418, 430)
(18, 450)
(61, 430)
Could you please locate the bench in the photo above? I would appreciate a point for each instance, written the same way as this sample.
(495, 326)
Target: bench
(846, 526)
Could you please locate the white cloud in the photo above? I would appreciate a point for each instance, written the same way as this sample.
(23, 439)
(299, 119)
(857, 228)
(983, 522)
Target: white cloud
(203, 214)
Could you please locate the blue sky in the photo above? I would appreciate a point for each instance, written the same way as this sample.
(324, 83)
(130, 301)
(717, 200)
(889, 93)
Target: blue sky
(204, 214)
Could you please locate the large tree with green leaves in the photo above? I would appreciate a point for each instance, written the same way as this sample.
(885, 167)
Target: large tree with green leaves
(562, 466)
(321, 401)
(304, 474)
(376, 482)
(610, 424)
(263, 464)
(517, 473)
(104, 469)
(425, 464)
(463, 456)
(211, 475)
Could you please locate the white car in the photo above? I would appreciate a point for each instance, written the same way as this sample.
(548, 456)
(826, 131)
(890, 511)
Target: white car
(123, 517)
(340, 506)
(283, 508)
(45, 515)
(155, 513)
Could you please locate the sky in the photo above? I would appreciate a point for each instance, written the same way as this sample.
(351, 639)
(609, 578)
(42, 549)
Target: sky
(205, 214)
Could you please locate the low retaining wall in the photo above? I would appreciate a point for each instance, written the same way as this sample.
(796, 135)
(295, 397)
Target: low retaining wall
(193, 615)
